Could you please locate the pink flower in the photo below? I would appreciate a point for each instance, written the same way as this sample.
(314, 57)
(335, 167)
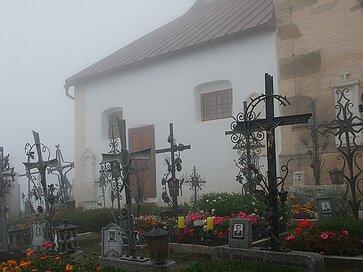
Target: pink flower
(345, 232)
(324, 236)
(290, 237)
(361, 241)
(242, 215)
(217, 220)
(252, 218)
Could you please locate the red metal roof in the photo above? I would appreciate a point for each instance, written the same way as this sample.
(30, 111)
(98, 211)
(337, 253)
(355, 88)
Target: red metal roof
(205, 21)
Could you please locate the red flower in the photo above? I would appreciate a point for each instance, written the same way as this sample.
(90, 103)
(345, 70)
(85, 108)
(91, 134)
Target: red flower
(304, 224)
(299, 230)
(345, 232)
(290, 237)
(227, 216)
(324, 236)
(220, 234)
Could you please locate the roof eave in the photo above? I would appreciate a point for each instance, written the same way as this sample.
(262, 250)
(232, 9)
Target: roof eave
(72, 82)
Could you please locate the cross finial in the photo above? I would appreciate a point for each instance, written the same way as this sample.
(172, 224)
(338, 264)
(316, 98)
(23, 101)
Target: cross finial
(344, 74)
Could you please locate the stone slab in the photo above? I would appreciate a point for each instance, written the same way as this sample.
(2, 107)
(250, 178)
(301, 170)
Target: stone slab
(190, 248)
(304, 261)
(137, 265)
(240, 233)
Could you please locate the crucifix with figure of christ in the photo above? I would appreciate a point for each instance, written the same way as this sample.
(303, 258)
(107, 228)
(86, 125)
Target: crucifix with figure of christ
(64, 184)
(269, 124)
(173, 183)
(6, 175)
(121, 167)
(42, 166)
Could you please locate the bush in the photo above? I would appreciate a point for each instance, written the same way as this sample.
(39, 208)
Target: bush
(242, 266)
(86, 220)
(353, 225)
(228, 203)
(322, 239)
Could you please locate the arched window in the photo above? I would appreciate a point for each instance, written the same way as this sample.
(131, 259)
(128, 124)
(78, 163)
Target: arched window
(109, 122)
(214, 100)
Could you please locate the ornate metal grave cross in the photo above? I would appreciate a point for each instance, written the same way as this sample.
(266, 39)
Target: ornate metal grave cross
(269, 125)
(175, 164)
(6, 175)
(346, 127)
(195, 181)
(316, 153)
(120, 167)
(65, 186)
(42, 166)
(248, 145)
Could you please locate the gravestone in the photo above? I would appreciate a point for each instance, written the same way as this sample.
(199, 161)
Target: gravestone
(298, 179)
(240, 233)
(111, 241)
(312, 193)
(38, 233)
(325, 207)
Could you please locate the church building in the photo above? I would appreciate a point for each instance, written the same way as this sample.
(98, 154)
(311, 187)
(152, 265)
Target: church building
(193, 72)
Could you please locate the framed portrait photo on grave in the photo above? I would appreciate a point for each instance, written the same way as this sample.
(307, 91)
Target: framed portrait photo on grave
(238, 230)
(325, 207)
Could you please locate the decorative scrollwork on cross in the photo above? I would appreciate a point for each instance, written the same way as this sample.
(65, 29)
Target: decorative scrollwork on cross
(346, 127)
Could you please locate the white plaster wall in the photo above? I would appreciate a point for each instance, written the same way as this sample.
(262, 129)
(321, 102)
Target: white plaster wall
(163, 91)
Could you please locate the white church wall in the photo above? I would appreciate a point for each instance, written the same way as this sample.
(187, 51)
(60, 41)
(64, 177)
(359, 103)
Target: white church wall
(166, 90)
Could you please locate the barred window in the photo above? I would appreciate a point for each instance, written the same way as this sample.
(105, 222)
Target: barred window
(216, 105)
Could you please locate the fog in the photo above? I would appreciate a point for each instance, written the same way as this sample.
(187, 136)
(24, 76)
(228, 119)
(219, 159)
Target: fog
(43, 42)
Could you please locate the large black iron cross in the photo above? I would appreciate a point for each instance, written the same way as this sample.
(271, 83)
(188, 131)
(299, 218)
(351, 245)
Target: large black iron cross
(120, 167)
(173, 182)
(269, 125)
(42, 166)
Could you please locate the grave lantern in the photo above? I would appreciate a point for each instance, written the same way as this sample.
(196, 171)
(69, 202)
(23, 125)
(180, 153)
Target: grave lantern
(67, 237)
(16, 237)
(157, 240)
(336, 176)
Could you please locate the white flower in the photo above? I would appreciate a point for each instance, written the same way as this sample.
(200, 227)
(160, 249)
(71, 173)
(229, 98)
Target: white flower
(207, 200)
(253, 203)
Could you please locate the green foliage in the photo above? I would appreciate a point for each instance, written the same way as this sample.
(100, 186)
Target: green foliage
(242, 266)
(353, 225)
(228, 203)
(86, 220)
(147, 208)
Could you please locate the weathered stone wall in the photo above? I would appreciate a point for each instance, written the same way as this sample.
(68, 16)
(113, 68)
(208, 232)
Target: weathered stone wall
(316, 41)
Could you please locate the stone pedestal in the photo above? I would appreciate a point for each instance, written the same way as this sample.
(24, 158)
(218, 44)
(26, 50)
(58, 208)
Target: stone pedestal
(305, 261)
(137, 265)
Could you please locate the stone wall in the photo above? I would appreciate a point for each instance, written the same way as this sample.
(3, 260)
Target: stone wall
(316, 41)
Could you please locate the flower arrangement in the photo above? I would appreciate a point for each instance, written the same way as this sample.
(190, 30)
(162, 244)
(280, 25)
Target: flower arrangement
(203, 235)
(301, 209)
(45, 263)
(306, 237)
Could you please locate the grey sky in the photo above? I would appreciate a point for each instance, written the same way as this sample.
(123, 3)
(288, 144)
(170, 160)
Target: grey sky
(43, 42)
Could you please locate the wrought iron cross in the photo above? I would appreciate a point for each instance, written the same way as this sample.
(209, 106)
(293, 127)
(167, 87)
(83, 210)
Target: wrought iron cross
(64, 184)
(41, 165)
(315, 128)
(6, 175)
(269, 124)
(195, 181)
(346, 127)
(175, 164)
(120, 167)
